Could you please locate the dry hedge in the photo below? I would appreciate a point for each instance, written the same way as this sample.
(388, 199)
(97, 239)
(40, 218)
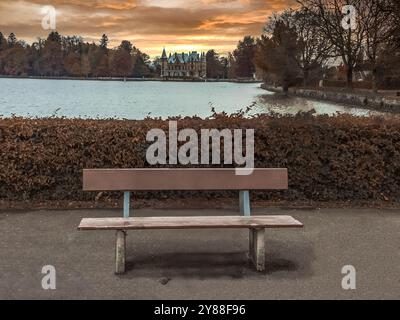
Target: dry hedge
(329, 158)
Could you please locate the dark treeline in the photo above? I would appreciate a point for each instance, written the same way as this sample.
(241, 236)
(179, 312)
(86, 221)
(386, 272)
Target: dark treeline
(238, 64)
(70, 56)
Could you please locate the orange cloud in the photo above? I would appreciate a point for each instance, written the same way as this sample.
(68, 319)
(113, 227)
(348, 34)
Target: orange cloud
(149, 24)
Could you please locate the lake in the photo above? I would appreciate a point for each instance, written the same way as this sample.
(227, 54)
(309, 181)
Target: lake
(139, 99)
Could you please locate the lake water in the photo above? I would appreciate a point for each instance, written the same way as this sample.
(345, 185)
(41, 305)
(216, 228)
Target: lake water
(139, 99)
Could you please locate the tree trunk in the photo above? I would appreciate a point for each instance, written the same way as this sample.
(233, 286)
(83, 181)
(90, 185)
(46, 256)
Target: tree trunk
(375, 80)
(305, 77)
(350, 71)
(285, 87)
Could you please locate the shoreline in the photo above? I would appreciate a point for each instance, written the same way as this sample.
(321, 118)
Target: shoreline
(121, 79)
(365, 100)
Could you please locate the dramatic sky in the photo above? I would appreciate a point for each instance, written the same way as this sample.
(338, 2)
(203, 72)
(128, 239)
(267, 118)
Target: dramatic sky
(150, 25)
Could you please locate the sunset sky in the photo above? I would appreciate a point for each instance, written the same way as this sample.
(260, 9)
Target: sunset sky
(179, 25)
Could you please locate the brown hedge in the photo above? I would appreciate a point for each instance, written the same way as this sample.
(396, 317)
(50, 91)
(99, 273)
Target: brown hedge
(329, 158)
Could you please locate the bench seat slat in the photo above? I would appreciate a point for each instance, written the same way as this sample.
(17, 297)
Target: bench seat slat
(209, 222)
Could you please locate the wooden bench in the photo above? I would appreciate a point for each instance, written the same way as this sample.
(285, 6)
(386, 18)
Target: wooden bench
(128, 180)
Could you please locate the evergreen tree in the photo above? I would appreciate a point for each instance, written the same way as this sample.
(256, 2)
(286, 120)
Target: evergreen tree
(3, 42)
(104, 42)
(244, 57)
(214, 68)
(122, 62)
(12, 40)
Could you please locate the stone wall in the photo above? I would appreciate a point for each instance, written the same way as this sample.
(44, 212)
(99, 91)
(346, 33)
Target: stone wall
(366, 100)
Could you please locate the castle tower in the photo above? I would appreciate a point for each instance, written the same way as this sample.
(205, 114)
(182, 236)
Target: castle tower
(164, 63)
(203, 66)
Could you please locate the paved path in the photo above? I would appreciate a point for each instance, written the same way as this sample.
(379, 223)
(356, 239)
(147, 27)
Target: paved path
(202, 264)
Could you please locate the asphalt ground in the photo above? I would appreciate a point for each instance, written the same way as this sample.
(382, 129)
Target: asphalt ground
(201, 264)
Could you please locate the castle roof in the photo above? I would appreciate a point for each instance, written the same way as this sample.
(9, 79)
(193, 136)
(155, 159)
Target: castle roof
(184, 57)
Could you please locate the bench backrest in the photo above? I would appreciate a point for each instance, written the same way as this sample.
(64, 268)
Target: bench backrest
(182, 179)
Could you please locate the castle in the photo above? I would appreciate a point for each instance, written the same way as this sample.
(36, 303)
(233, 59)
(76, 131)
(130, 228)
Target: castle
(190, 65)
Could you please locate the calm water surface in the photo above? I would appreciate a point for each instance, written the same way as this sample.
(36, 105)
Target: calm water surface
(136, 100)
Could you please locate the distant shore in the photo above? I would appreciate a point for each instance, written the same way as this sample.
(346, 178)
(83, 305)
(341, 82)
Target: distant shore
(131, 79)
(385, 101)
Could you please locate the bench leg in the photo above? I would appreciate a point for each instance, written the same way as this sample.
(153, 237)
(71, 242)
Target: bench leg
(127, 202)
(257, 248)
(120, 252)
(251, 245)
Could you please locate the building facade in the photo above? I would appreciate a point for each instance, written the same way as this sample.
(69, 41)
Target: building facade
(190, 65)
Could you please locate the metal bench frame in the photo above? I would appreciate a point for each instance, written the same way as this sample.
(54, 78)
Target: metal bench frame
(244, 203)
(256, 236)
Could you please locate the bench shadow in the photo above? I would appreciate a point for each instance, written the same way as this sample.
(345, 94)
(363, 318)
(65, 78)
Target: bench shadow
(281, 261)
(191, 265)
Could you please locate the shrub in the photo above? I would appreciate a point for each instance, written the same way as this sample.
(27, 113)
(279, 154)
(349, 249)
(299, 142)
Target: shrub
(329, 158)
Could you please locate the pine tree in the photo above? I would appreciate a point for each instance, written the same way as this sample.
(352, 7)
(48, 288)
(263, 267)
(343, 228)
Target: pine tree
(104, 42)
(12, 40)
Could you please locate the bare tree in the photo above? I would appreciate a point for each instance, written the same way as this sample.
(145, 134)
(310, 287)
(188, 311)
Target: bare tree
(292, 47)
(347, 42)
(312, 48)
(394, 8)
(378, 24)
